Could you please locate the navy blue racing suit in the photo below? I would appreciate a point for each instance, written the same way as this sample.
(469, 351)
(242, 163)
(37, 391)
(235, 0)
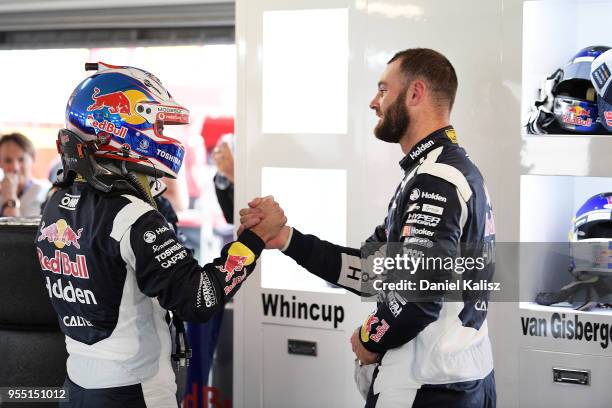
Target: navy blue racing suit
(112, 266)
(434, 353)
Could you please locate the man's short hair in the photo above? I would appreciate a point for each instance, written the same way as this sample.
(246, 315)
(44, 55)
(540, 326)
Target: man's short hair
(433, 68)
(20, 140)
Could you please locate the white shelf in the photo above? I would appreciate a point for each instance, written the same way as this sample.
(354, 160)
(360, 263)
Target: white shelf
(563, 308)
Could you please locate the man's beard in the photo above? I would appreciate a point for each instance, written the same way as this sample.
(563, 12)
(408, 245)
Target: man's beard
(395, 121)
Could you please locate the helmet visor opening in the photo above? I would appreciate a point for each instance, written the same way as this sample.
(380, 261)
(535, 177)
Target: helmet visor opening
(600, 229)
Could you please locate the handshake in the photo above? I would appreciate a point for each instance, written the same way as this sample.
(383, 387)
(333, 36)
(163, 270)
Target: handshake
(267, 220)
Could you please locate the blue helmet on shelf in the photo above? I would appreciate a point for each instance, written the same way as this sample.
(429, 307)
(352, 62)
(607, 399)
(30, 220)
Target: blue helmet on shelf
(575, 105)
(591, 237)
(601, 76)
(122, 111)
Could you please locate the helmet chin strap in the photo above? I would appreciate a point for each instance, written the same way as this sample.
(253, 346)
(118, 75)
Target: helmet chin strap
(78, 160)
(157, 186)
(140, 182)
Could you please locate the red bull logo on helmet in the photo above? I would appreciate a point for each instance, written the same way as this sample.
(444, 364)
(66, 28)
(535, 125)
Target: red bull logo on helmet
(608, 117)
(122, 103)
(107, 127)
(579, 116)
(116, 102)
(60, 234)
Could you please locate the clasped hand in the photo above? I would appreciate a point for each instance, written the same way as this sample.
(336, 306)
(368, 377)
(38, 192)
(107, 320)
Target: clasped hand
(266, 219)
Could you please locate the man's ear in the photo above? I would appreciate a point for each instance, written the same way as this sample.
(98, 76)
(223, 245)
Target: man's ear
(416, 92)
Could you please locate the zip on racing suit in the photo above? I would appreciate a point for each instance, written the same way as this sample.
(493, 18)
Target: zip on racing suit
(433, 353)
(112, 266)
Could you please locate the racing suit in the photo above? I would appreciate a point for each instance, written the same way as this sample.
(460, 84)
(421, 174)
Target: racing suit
(112, 266)
(434, 353)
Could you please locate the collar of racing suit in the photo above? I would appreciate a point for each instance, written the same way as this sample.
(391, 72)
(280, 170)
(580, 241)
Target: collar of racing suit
(445, 135)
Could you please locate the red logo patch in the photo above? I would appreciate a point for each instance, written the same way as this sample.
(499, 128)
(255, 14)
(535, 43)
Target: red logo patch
(233, 264)
(116, 102)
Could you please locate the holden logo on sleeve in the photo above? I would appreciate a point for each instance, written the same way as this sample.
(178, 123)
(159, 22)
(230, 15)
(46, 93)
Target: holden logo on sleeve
(60, 234)
(434, 196)
(415, 194)
(150, 237)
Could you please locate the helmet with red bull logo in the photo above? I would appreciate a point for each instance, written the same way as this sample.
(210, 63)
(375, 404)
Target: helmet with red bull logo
(575, 105)
(568, 101)
(121, 111)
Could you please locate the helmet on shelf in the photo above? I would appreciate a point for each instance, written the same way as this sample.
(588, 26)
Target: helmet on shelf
(601, 76)
(591, 237)
(590, 257)
(568, 101)
(575, 105)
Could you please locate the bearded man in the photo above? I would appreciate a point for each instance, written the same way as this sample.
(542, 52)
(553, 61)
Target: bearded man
(423, 352)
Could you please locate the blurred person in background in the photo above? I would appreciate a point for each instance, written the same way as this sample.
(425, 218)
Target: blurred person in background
(224, 179)
(20, 194)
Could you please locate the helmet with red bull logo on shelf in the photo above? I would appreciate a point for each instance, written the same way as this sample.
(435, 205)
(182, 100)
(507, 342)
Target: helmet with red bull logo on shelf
(116, 118)
(568, 101)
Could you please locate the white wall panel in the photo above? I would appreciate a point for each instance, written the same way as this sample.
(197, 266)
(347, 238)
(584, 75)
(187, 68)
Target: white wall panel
(482, 38)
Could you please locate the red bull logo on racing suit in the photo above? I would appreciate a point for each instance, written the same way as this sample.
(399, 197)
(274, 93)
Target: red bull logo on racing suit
(238, 257)
(233, 264)
(61, 264)
(60, 234)
(367, 327)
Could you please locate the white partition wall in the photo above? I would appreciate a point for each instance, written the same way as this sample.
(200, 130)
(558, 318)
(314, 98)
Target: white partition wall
(297, 120)
(307, 72)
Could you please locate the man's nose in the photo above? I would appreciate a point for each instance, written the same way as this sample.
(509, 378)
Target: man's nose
(374, 103)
